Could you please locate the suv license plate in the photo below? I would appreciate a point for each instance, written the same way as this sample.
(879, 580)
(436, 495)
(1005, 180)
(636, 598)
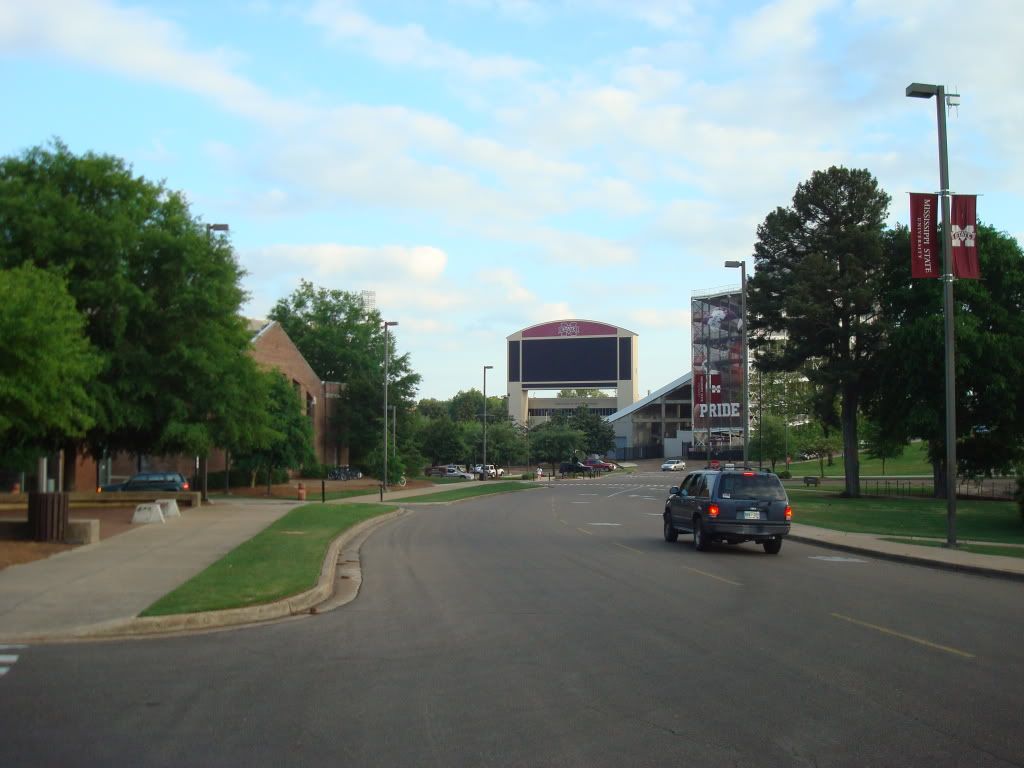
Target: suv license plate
(751, 514)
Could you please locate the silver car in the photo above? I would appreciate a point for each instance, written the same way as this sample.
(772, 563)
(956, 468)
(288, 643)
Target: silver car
(673, 464)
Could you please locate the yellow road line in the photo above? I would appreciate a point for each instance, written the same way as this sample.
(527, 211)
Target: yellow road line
(911, 638)
(583, 530)
(712, 576)
(617, 544)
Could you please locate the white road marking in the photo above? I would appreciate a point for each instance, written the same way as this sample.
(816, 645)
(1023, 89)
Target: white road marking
(653, 514)
(579, 502)
(604, 523)
(12, 647)
(630, 488)
(835, 559)
(8, 658)
(4, 671)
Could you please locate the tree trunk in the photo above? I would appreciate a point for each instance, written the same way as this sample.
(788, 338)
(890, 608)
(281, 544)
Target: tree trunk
(848, 416)
(270, 472)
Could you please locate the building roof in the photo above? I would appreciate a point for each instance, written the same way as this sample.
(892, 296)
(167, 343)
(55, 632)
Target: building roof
(684, 379)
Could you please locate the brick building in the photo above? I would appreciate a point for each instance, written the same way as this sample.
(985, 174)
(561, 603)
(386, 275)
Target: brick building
(273, 350)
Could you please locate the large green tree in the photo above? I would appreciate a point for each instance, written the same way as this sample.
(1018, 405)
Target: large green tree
(554, 442)
(160, 299)
(46, 363)
(598, 434)
(343, 341)
(908, 396)
(820, 270)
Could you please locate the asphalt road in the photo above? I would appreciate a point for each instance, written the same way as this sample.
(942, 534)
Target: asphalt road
(556, 628)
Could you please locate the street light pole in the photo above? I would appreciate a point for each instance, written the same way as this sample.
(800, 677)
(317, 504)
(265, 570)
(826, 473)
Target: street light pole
(486, 369)
(387, 324)
(746, 372)
(924, 91)
(204, 460)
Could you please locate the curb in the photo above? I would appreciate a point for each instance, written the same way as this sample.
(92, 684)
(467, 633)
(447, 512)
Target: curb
(153, 626)
(942, 565)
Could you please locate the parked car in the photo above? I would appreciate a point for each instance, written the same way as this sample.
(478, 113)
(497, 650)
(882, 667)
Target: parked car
(149, 481)
(671, 465)
(490, 469)
(729, 505)
(599, 464)
(573, 468)
(457, 472)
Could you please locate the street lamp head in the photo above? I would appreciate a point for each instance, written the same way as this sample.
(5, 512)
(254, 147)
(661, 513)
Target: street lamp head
(735, 264)
(217, 228)
(922, 90)
(390, 323)
(488, 367)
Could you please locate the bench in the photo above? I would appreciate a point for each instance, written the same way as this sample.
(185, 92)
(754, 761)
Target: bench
(809, 481)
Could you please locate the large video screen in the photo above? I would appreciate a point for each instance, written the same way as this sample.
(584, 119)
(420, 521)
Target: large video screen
(570, 360)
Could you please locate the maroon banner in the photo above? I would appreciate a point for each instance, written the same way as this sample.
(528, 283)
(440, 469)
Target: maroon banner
(924, 256)
(964, 224)
(700, 388)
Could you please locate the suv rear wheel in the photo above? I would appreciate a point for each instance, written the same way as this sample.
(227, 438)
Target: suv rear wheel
(772, 546)
(671, 534)
(700, 539)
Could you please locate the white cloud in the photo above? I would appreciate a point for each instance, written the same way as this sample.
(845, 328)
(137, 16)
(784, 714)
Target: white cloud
(408, 45)
(417, 263)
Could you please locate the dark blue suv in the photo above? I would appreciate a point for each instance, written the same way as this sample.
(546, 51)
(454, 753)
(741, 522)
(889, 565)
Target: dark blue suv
(729, 505)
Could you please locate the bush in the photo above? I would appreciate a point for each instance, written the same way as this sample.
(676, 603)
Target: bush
(785, 474)
(314, 471)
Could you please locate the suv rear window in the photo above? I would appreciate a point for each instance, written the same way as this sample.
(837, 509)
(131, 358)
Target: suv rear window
(737, 486)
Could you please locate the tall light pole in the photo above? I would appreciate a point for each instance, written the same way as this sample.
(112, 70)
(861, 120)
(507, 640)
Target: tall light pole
(742, 265)
(387, 324)
(204, 463)
(486, 369)
(924, 91)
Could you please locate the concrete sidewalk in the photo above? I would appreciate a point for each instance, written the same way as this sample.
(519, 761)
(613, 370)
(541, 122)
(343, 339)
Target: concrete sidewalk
(116, 578)
(937, 557)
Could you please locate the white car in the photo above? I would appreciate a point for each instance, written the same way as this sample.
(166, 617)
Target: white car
(673, 464)
(490, 469)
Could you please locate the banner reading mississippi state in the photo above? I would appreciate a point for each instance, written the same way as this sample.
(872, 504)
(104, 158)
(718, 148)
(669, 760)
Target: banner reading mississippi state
(924, 256)
(964, 223)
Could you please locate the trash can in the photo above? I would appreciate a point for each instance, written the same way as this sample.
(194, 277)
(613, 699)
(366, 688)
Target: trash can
(48, 516)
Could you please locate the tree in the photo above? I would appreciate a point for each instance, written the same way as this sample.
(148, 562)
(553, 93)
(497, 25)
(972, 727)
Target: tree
(570, 393)
(159, 298)
(440, 440)
(554, 442)
(881, 443)
(46, 363)
(816, 438)
(467, 406)
(820, 269)
(343, 341)
(598, 434)
(989, 327)
(288, 439)
(769, 440)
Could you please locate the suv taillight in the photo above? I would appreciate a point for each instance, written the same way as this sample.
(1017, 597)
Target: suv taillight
(184, 486)
(712, 510)
(789, 513)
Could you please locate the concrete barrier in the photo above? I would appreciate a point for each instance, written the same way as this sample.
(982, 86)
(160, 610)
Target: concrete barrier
(169, 507)
(148, 513)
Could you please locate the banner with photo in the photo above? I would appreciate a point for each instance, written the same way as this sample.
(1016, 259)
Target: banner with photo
(716, 338)
(964, 223)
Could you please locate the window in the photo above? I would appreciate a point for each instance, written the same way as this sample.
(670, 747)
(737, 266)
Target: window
(752, 487)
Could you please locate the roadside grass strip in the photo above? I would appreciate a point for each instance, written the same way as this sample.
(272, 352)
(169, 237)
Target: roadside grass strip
(282, 560)
(469, 491)
(989, 521)
(978, 549)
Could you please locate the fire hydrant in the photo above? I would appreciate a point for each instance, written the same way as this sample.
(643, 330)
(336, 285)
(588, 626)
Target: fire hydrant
(302, 492)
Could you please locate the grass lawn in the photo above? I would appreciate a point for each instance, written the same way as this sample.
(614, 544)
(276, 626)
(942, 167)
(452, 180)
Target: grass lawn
(469, 490)
(981, 549)
(282, 560)
(997, 521)
(914, 461)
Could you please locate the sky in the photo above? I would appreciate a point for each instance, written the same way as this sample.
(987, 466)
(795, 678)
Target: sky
(487, 165)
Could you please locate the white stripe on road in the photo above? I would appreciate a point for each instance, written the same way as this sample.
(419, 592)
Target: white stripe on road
(8, 658)
(604, 523)
(4, 671)
(630, 488)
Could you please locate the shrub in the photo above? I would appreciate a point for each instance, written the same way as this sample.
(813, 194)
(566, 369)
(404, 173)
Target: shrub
(785, 474)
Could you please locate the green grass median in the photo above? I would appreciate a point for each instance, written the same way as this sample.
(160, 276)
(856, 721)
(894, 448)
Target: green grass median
(470, 490)
(282, 560)
(993, 521)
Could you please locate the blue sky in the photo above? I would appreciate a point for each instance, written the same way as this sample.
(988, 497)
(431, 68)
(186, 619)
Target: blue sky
(485, 165)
